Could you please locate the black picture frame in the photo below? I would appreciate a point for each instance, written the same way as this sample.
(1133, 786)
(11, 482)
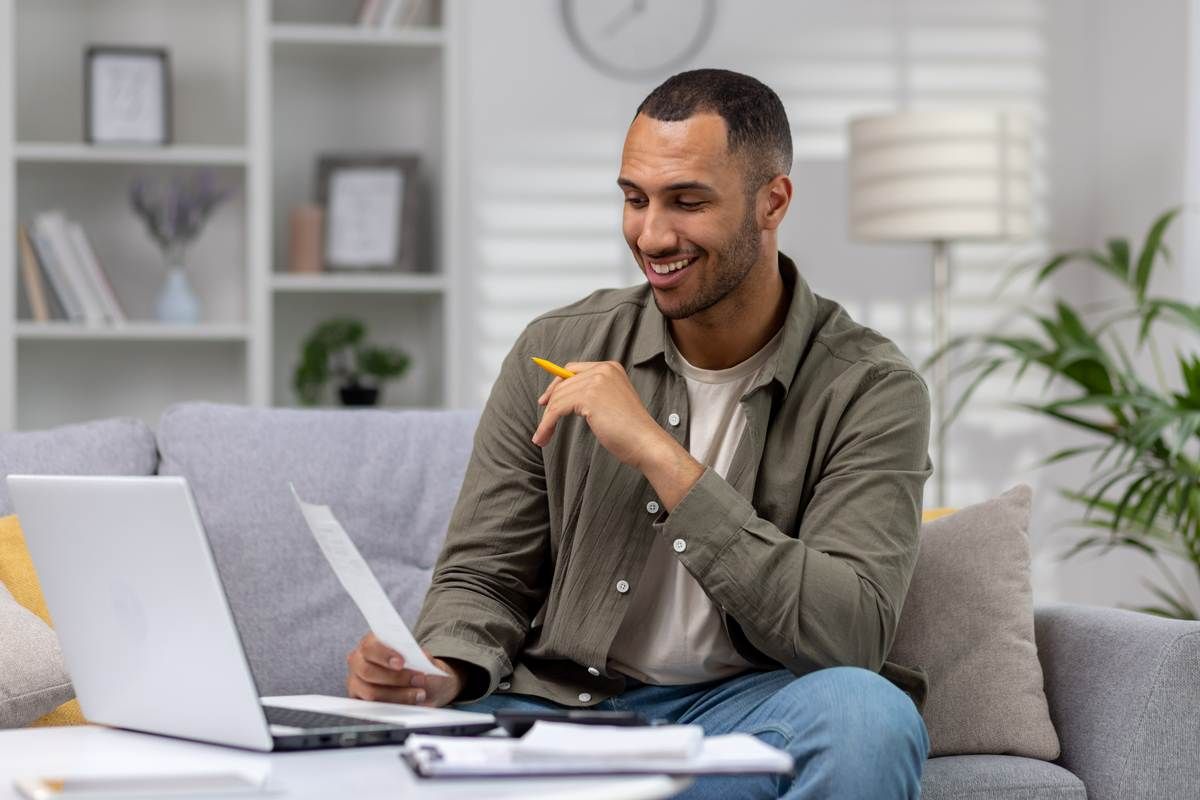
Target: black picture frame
(407, 225)
(156, 58)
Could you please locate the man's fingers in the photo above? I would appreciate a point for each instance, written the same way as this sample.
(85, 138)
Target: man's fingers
(545, 430)
(373, 673)
(549, 391)
(566, 400)
(581, 366)
(384, 694)
(379, 653)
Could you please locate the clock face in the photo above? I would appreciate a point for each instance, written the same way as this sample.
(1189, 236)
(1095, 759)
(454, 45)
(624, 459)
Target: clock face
(638, 39)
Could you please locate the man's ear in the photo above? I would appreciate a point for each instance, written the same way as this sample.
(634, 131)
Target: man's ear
(773, 202)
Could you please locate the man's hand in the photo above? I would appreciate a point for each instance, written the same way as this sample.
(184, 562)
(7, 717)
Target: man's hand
(377, 673)
(602, 394)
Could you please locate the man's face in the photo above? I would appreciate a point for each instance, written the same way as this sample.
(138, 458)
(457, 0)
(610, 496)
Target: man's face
(688, 218)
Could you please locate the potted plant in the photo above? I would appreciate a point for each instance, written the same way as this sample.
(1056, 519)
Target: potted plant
(1144, 491)
(335, 349)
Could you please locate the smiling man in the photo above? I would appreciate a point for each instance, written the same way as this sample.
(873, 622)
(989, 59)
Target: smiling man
(715, 520)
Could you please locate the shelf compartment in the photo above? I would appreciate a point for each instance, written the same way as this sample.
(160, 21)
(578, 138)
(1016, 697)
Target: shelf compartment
(132, 331)
(207, 43)
(401, 283)
(97, 197)
(409, 321)
(72, 152)
(59, 383)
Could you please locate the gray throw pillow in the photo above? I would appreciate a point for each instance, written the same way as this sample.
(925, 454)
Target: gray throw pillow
(118, 446)
(968, 622)
(33, 679)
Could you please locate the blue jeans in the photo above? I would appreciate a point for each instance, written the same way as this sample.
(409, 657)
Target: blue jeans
(852, 733)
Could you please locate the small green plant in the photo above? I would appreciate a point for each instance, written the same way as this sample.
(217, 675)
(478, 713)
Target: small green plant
(1144, 490)
(335, 349)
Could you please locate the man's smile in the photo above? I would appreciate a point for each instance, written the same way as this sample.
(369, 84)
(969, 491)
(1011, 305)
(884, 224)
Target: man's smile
(665, 273)
(663, 267)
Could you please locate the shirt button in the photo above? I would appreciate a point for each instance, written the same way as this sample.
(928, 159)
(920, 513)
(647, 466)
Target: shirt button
(622, 587)
(652, 506)
(673, 419)
(593, 672)
(504, 686)
(680, 545)
(584, 697)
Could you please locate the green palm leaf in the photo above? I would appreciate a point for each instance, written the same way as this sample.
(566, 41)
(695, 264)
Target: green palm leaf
(1143, 492)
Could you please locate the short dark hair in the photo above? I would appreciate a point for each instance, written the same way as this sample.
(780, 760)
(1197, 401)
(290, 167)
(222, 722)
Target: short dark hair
(754, 116)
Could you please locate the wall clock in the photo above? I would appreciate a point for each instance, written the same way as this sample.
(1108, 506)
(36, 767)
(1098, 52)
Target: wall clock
(638, 39)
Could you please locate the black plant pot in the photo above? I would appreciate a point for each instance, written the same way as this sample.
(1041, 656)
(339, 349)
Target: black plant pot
(358, 395)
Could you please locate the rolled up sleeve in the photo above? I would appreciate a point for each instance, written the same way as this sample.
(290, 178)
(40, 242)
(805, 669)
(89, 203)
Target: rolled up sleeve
(488, 582)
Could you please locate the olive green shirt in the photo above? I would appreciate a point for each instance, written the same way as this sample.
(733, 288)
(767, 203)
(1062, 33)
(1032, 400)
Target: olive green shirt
(807, 546)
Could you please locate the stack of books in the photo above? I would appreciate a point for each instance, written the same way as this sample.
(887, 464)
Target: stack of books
(61, 277)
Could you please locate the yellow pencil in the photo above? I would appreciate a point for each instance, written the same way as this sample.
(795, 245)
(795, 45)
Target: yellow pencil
(552, 368)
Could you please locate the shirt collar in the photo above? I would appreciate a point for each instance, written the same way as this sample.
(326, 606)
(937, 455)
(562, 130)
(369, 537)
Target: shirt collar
(652, 337)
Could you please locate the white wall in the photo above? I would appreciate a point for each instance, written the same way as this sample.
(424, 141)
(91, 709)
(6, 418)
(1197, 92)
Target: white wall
(1120, 147)
(1103, 79)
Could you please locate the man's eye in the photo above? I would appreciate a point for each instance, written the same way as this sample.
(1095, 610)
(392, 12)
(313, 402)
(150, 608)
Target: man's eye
(635, 201)
(691, 203)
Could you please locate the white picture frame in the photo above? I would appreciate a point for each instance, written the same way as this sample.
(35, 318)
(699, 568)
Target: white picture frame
(127, 95)
(369, 206)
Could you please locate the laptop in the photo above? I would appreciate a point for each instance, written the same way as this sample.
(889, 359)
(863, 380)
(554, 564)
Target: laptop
(147, 633)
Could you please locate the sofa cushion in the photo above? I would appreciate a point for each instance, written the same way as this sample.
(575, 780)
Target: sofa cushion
(968, 622)
(33, 677)
(105, 447)
(17, 572)
(1000, 777)
(391, 478)
(21, 580)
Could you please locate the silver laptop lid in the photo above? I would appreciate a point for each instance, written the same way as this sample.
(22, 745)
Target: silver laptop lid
(142, 619)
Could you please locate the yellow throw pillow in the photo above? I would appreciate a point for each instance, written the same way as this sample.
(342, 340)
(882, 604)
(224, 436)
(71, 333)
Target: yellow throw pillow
(17, 573)
(929, 515)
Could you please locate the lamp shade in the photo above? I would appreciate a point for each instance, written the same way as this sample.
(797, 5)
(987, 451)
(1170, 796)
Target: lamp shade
(941, 175)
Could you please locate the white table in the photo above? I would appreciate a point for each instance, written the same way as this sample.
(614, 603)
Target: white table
(365, 772)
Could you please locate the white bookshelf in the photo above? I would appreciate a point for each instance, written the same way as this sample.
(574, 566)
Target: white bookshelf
(261, 88)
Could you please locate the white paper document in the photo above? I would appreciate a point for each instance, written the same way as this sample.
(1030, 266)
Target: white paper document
(554, 740)
(486, 756)
(362, 586)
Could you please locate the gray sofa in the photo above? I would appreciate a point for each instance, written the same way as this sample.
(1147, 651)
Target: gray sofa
(1124, 688)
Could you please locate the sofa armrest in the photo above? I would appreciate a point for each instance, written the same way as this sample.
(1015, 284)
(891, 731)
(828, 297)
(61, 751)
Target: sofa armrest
(1124, 695)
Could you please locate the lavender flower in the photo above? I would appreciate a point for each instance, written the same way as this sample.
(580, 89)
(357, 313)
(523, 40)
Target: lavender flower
(176, 211)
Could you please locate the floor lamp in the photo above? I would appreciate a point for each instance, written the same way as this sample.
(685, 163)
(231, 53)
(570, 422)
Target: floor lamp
(940, 177)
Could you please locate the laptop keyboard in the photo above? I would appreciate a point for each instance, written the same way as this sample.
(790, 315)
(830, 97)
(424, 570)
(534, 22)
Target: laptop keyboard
(299, 718)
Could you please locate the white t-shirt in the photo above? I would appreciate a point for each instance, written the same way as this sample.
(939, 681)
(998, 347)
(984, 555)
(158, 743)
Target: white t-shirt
(672, 632)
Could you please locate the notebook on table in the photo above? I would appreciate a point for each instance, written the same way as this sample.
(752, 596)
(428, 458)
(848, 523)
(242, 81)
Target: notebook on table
(560, 749)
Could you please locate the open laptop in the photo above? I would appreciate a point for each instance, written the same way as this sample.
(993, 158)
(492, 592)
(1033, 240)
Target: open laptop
(147, 633)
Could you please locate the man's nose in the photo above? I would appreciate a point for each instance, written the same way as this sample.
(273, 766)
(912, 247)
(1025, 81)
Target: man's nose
(657, 235)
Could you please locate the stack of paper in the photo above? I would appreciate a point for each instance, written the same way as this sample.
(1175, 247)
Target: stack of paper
(593, 750)
(552, 741)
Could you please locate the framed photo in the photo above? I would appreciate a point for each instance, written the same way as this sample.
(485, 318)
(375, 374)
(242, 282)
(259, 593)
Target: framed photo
(371, 203)
(127, 92)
